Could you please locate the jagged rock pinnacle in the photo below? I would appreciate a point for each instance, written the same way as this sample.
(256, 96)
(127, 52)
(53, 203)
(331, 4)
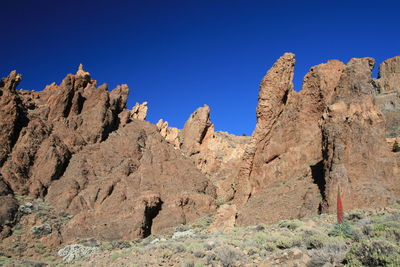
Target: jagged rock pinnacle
(81, 71)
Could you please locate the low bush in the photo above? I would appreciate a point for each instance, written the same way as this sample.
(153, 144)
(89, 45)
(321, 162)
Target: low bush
(290, 224)
(333, 252)
(374, 253)
(227, 255)
(342, 229)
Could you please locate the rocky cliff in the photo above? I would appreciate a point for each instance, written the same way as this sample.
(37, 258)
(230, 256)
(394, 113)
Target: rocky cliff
(76, 146)
(306, 144)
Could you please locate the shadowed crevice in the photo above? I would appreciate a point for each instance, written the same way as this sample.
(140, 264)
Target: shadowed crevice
(150, 213)
(317, 172)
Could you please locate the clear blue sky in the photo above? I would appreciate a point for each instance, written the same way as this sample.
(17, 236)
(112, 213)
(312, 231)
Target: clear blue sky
(179, 55)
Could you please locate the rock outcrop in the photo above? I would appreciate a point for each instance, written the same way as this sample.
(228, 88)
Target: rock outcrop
(171, 134)
(356, 156)
(58, 122)
(287, 163)
(8, 209)
(76, 145)
(134, 194)
(216, 154)
(388, 95)
(11, 114)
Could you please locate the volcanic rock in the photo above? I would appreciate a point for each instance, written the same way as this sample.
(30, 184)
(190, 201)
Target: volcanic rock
(356, 156)
(60, 121)
(12, 117)
(283, 165)
(195, 130)
(171, 134)
(62, 143)
(149, 187)
(8, 209)
(225, 218)
(388, 95)
(139, 111)
(302, 147)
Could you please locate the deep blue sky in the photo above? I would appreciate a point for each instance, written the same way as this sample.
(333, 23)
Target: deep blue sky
(179, 55)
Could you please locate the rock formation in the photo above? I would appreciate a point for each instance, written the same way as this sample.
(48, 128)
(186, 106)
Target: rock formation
(215, 154)
(171, 134)
(356, 156)
(74, 145)
(388, 95)
(78, 147)
(290, 158)
(8, 209)
(134, 194)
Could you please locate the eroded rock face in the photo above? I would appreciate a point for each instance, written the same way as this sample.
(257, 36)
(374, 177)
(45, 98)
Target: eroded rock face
(388, 95)
(11, 114)
(216, 154)
(356, 156)
(68, 150)
(283, 167)
(134, 194)
(8, 209)
(171, 134)
(300, 152)
(59, 121)
(76, 145)
(195, 130)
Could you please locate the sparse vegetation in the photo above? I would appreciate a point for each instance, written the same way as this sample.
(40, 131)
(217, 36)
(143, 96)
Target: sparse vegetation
(364, 238)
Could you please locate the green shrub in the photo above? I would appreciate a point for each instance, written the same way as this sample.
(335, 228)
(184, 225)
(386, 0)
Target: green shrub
(314, 241)
(288, 242)
(354, 215)
(343, 229)
(374, 253)
(388, 230)
(290, 224)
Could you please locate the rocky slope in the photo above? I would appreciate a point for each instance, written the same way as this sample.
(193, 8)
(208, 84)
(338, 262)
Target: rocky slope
(108, 174)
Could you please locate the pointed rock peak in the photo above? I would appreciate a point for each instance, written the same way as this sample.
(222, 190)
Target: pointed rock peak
(195, 129)
(81, 72)
(11, 81)
(288, 56)
(274, 89)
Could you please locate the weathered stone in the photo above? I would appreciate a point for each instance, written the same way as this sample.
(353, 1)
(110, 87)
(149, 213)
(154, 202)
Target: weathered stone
(225, 218)
(171, 134)
(11, 114)
(285, 152)
(147, 178)
(8, 209)
(388, 95)
(356, 156)
(195, 130)
(139, 111)
(59, 121)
